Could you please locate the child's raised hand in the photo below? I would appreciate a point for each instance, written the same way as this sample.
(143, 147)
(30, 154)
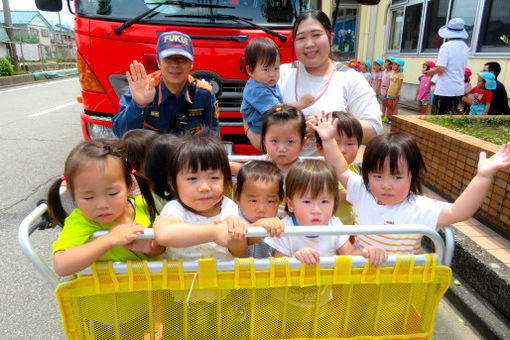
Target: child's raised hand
(487, 167)
(122, 234)
(375, 255)
(309, 256)
(325, 126)
(273, 226)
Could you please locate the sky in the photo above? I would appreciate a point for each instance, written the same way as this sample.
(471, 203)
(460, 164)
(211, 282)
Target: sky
(29, 5)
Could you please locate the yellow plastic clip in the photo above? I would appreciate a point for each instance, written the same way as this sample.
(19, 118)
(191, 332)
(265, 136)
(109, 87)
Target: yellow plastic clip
(429, 270)
(173, 275)
(309, 275)
(279, 273)
(105, 279)
(404, 268)
(244, 274)
(342, 270)
(370, 274)
(207, 277)
(139, 276)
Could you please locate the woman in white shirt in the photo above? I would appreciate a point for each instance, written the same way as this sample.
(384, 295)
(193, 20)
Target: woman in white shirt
(335, 87)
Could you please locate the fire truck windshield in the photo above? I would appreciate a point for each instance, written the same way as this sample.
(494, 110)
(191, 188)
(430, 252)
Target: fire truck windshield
(211, 13)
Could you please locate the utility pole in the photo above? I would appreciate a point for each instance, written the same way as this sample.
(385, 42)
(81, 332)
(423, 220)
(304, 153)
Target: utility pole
(10, 34)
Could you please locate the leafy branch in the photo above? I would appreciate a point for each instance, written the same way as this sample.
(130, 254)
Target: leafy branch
(504, 39)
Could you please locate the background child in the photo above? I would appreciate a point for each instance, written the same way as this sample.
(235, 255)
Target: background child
(261, 92)
(157, 165)
(201, 222)
(283, 135)
(422, 93)
(312, 198)
(99, 179)
(138, 141)
(482, 94)
(433, 81)
(389, 190)
(348, 137)
(365, 69)
(385, 83)
(396, 80)
(376, 76)
(259, 192)
(463, 107)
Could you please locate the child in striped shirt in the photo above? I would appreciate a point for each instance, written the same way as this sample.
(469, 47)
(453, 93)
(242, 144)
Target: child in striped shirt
(389, 188)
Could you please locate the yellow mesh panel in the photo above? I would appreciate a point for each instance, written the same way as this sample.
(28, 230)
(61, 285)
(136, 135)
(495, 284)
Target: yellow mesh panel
(356, 303)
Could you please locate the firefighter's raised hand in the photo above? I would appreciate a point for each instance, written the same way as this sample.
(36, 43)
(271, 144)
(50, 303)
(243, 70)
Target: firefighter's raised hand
(142, 87)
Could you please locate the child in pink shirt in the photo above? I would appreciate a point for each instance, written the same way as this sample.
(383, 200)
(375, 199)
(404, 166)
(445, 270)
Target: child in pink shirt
(376, 76)
(422, 93)
(385, 83)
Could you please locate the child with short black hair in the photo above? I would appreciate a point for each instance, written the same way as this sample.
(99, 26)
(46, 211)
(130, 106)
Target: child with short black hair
(349, 136)
(262, 92)
(201, 222)
(389, 190)
(258, 195)
(312, 198)
(283, 135)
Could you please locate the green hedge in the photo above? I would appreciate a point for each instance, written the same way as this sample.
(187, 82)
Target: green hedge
(6, 68)
(492, 129)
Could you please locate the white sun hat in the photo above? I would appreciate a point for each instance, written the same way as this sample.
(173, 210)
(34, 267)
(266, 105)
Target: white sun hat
(453, 29)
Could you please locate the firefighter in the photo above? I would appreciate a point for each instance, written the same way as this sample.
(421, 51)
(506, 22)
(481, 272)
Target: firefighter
(169, 100)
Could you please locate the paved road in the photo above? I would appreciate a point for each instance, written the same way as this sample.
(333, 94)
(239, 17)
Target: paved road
(39, 124)
(33, 153)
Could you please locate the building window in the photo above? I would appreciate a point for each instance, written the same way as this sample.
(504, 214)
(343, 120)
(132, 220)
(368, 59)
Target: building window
(496, 22)
(465, 9)
(397, 23)
(437, 11)
(411, 28)
(344, 40)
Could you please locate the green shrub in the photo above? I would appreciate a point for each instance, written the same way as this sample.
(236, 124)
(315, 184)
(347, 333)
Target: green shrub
(6, 68)
(491, 129)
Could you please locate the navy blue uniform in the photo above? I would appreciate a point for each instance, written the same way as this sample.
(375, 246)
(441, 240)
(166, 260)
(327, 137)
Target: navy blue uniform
(162, 115)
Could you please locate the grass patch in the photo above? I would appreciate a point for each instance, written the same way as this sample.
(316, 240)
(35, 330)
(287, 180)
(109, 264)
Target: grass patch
(491, 129)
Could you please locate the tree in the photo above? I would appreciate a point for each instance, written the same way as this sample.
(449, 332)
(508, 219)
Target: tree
(8, 29)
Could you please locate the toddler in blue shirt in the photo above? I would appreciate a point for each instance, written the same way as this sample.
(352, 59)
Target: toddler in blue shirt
(261, 92)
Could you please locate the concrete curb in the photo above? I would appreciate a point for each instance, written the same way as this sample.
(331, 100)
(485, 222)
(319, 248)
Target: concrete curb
(477, 311)
(482, 270)
(19, 79)
(483, 295)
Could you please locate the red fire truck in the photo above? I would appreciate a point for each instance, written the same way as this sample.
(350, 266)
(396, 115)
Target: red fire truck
(110, 34)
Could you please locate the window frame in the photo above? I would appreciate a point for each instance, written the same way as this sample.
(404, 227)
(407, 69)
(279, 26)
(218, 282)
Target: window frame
(358, 19)
(394, 8)
(481, 23)
(475, 48)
